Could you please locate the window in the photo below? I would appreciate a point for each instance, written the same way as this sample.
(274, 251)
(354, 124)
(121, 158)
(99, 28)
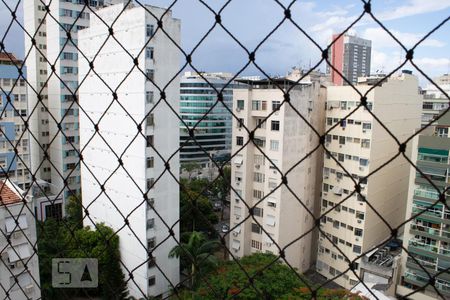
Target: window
(365, 143)
(329, 121)
(149, 52)
(256, 228)
(258, 177)
(54, 211)
(240, 104)
(357, 249)
(256, 245)
(150, 74)
(150, 140)
(149, 97)
(342, 140)
(151, 280)
(442, 131)
(275, 125)
(274, 145)
(366, 126)
(258, 211)
(363, 162)
(151, 262)
(260, 123)
(239, 140)
(150, 183)
(150, 30)
(150, 162)
(151, 243)
(150, 120)
(258, 194)
(151, 223)
(276, 105)
(240, 123)
(358, 232)
(341, 157)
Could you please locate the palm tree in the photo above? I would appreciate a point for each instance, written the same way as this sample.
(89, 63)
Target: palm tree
(196, 255)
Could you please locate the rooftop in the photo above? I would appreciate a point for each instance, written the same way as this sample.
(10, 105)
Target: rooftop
(9, 194)
(8, 59)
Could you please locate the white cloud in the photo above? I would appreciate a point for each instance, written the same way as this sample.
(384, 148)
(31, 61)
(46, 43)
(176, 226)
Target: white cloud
(413, 7)
(433, 63)
(383, 40)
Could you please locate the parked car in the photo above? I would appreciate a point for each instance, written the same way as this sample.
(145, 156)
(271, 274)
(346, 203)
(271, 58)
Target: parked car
(217, 206)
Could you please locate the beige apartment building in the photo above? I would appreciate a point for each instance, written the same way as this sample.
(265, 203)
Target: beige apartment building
(285, 213)
(361, 145)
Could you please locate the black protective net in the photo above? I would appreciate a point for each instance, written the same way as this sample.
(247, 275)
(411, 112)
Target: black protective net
(203, 260)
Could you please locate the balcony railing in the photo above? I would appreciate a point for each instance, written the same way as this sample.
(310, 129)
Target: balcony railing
(426, 194)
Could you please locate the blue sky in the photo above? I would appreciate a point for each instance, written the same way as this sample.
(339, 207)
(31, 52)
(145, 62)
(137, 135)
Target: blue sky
(251, 20)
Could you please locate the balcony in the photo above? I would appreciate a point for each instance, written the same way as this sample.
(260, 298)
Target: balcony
(426, 194)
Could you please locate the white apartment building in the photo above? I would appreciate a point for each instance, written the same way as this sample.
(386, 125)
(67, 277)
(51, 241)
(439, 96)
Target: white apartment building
(18, 260)
(361, 145)
(142, 175)
(55, 91)
(285, 139)
(12, 116)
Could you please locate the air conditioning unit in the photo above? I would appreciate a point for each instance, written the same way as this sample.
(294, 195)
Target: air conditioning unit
(238, 217)
(340, 146)
(361, 168)
(235, 233)
(356, 239)
(327, 144)
(257, 166)
(321, 239)
(29, 289)
(338, 180)
(364, 131)
(326, 177)
(359, 221)
(238, 109)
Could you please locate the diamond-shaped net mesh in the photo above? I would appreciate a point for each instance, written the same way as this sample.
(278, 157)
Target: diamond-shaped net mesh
(98, 108)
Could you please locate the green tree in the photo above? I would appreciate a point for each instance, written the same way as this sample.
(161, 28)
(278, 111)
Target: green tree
(196, 211)
(74, 212)
(102, 244)
(221, 188)
(190, 168)
(68, 239)
(196, 255)
(229, 279)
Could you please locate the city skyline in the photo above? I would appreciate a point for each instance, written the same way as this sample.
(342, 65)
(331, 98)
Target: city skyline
(219, 53)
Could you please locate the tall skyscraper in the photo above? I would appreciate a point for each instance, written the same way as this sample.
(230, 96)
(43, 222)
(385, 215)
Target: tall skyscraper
(13, 112)
(140, 190)
(53, 78)
(427, 236)
(213, 131)
(350, 55)
(19, 266)
(361, 145)
(286, 214)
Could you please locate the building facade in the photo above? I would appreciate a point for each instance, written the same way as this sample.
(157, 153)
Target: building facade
(434, 100)
(427, 235)
(139, 190)
(51, 92)
(350, 55)
(18, 260)
(281, 215)
(13, 113)
(212, 128)
(361, 145)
